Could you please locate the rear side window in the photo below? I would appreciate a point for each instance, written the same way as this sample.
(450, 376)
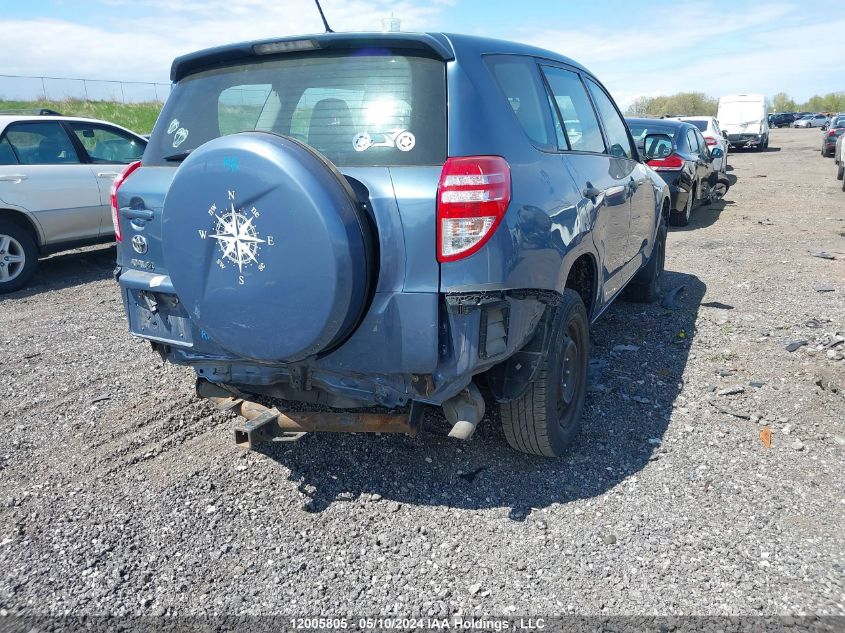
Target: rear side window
(692, 141)
(358, 108)
(42, 143)
(579, 119)
(517, 77)
(7, 154)
(614, 126)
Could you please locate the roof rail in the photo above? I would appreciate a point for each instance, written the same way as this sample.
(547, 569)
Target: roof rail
(35, 111)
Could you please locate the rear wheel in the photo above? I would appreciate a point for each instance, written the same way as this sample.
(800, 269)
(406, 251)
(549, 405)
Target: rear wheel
(840, 172)
(683, 218)
(18, 256)
(646, 285)
(546, 418)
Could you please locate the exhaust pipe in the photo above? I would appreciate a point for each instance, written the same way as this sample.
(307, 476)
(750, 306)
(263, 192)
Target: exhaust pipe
(263, 424)
(464, 411)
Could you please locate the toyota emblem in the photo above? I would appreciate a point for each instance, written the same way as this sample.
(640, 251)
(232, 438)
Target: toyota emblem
(139, 243)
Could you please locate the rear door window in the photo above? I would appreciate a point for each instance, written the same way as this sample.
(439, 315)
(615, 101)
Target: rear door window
(576, 112)
(614, 125)
(518, 79)
(357, 108)
(42, 143)
(692, 141)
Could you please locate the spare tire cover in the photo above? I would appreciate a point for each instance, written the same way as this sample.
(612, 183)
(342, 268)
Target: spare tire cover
(266, 246)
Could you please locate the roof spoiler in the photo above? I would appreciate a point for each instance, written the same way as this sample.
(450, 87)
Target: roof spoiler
(231, 53)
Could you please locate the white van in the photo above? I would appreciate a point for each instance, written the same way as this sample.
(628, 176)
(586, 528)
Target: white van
(744, 120)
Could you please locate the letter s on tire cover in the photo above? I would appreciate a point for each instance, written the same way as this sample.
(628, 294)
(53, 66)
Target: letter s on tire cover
(266, 246)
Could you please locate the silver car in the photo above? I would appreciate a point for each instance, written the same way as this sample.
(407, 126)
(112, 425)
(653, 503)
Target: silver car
(56, 174)
(813, 120)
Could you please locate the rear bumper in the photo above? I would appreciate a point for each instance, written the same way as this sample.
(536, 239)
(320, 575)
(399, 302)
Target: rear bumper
(410, 346)
(741, 140)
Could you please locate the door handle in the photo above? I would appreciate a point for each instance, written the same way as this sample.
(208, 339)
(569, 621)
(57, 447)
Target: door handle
(13, 178)
(107, 174)
(137, 214)
(590, 191)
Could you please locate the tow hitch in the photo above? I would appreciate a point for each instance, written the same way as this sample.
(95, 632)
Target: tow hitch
(264, 424)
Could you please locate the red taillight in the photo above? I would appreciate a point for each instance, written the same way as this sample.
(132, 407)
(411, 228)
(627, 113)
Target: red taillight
(473, 194)
(832, 132)
(115, 211)
(672, 162)
(710, 141)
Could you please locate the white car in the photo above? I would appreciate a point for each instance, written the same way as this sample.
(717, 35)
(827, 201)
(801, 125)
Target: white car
(56, 174)
(713, 136)
(814, 120)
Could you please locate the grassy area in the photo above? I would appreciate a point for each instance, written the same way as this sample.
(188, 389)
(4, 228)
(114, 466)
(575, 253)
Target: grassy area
(138, 117)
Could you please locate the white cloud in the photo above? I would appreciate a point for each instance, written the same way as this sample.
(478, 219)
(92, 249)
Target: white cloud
(142, 49)
(696, 46)
(767, 49)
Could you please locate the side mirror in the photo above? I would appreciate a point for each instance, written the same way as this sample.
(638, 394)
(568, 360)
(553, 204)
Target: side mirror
(716, 152)
(656, 146)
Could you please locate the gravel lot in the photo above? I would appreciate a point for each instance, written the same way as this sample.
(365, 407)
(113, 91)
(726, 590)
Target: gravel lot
(121, 493)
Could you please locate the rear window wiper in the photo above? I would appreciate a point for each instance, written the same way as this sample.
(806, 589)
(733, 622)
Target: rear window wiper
(179, 156)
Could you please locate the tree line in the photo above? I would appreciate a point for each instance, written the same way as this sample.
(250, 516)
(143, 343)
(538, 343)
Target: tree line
(698, 103)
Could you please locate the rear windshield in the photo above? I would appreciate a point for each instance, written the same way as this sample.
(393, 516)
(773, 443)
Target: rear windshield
(639, 130)
(701, 125)
(358, 109)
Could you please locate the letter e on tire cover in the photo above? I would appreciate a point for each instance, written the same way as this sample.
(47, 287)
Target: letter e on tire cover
(266, 246)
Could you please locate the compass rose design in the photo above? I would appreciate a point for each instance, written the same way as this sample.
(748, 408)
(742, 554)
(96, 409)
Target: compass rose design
(237, 237)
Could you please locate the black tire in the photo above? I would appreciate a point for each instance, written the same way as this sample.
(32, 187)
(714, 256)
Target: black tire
(546, 418)
(682, 218)
(840, 172)
(18, 256)
(645, 287)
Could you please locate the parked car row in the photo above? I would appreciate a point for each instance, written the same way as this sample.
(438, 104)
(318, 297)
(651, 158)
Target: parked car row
(685, 160)
(831, 133)
(833, 144)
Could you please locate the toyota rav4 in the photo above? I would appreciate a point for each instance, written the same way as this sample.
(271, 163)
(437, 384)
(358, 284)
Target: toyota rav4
(386, 220)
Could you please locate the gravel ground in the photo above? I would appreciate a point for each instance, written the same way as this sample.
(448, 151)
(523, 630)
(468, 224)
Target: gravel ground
(121, 493)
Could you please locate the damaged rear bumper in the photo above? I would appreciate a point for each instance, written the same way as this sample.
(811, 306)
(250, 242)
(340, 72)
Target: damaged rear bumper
(422, 347)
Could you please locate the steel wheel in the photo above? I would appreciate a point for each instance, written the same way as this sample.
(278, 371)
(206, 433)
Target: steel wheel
(12, 258)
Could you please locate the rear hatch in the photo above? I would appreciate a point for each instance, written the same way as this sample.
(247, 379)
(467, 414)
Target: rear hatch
(378, 113)
(742, 117)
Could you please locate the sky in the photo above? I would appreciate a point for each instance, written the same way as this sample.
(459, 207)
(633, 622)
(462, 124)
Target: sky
(636, 48)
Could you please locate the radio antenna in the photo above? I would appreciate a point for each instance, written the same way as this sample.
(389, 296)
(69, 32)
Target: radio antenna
(323, 16)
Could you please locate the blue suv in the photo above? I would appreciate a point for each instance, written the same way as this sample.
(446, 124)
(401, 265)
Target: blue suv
(386, 220)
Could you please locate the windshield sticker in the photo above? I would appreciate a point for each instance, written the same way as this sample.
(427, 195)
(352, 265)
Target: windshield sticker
(400, 139)
(174, 125)
(179, 137)
(405, 141)
(362, 142)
